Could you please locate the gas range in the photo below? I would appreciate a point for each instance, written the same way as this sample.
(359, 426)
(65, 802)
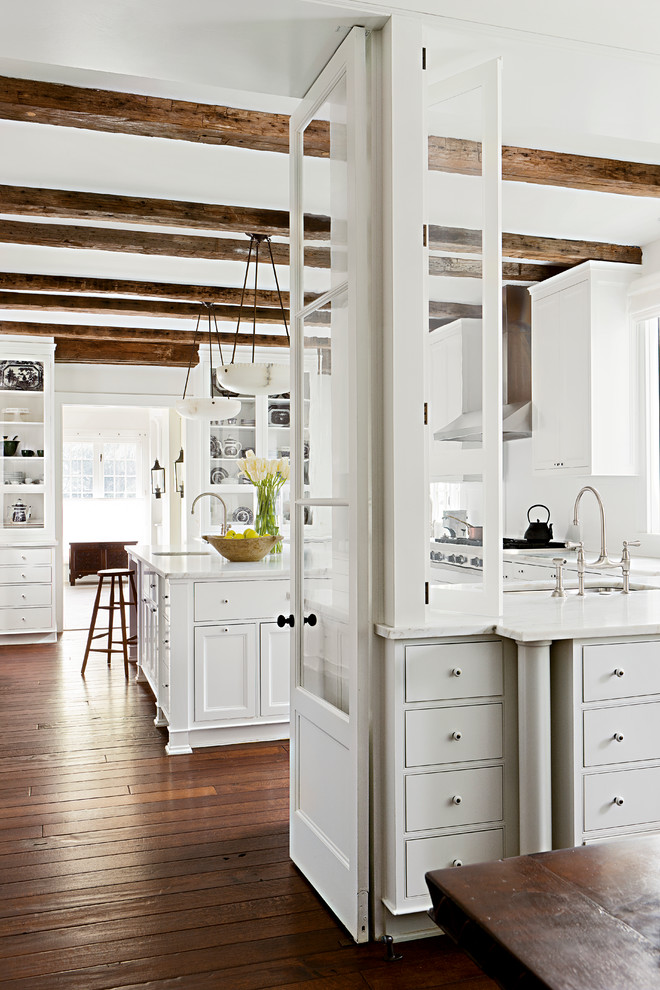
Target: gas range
(467, 553)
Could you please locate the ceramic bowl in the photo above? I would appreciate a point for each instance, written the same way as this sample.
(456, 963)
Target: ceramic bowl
(242, 550)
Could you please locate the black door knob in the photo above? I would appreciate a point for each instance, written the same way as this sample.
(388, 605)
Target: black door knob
(310, 619)
(285, 620)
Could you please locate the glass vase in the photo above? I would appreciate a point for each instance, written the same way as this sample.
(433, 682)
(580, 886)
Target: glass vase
(266, 521)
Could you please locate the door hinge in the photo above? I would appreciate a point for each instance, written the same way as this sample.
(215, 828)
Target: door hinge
(426, 414)
(423, 58)
(426, 592)
(424, 235)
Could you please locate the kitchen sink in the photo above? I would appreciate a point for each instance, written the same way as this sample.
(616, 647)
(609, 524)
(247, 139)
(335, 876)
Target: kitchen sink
(600, 589)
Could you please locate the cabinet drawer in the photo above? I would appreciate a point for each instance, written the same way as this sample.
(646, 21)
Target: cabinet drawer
(12, 595)
(453, 670)
(27, 574)
(453, 735)
(637, 790)
(453, 797)
(622, 734)
(442, 851)
(26, 555)
(14, 619)
(620, 670)
(220, 600)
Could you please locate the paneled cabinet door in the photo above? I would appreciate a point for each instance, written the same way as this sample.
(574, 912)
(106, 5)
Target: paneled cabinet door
(225, 672)
(275, 666)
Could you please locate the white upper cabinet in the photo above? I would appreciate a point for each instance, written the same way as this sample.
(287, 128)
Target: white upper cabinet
(582, 372)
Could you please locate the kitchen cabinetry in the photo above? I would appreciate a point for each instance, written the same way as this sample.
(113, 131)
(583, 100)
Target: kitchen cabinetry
(214, 657)
(606, 739)
(27, 541)
(583, 372)
(451, 761)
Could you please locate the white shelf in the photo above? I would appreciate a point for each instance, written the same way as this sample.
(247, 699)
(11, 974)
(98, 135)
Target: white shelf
(14, 489)
(21, 422)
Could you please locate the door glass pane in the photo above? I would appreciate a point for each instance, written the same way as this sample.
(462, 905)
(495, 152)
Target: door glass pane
(326, 427)
(326, 599)
(120, 470)
(454, 362)
(325, 195)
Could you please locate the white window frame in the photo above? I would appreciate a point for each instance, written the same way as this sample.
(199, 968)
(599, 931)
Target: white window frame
(99, 439)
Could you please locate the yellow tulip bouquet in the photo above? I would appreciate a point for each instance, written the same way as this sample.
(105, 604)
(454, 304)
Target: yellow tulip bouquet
(267, 476)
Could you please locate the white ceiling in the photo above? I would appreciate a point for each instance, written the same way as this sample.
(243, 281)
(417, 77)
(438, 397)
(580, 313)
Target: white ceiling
(580, 77)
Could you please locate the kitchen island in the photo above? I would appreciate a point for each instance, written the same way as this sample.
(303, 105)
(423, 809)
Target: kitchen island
(518, 733)
(209, 645)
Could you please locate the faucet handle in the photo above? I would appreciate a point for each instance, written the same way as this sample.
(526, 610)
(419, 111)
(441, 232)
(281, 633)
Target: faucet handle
(632, 543)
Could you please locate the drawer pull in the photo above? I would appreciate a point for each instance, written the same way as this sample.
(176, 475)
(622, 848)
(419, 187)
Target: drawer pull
(619, 671)
(22, 618)
(225, 601)
(618, 736)
(618, 801)
(456, 672)
(457, 862)
(23, 575)
(457, 735)
(23, 597)
(457, 799)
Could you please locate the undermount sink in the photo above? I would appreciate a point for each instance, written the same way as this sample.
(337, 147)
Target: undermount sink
(600, 589)
(181, 553)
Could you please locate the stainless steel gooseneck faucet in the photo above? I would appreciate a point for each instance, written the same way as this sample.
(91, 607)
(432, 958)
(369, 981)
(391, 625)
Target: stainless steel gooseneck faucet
(221, 500)
(602, 561)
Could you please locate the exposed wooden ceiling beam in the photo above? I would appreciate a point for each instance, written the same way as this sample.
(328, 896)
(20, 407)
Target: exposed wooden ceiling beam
(151, 116)
(141, 335)
(72, 351)
(445, 312)
(146, 242)
(65, 204)
(552, 250)
(511, 271)
(549, 168)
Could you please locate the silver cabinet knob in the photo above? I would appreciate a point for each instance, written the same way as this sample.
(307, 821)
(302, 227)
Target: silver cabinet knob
(457, 735)
(456, 672)
(618, 736)
(457, 862)
(619, 671)
(457, 799)
(618, 801)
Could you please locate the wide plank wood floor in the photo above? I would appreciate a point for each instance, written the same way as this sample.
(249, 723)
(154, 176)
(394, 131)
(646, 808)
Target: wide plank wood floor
(121, 867)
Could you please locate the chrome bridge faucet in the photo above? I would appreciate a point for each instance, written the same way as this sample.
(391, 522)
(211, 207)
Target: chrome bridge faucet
(224, 508)
(602, 561)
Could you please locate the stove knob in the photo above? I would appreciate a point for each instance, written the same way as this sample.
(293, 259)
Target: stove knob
(461, 559)
(451, 559)
(441, 556)
(476, 562)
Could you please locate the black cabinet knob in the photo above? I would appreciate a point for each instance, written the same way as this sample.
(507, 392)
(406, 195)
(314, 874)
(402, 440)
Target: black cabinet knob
(310, 619)
(285, 620)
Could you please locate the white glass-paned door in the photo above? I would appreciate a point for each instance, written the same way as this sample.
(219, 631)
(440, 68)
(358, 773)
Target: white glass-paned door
(463, 346)
(330, 485)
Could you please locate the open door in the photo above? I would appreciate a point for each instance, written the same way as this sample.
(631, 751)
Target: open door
(330, 589)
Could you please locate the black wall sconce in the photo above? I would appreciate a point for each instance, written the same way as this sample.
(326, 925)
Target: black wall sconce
(157, 479)
(178, 473)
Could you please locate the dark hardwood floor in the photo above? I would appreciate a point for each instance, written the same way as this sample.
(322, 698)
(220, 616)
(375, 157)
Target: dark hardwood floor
(121, 867)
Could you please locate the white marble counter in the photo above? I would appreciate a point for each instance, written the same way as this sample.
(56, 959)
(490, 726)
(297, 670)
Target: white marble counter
(199, 561)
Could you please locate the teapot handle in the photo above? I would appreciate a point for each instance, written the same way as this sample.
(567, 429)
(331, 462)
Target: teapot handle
(538, 505)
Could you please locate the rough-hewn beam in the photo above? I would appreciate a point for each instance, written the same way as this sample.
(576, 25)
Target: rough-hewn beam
(72, 351)
(151, 116)
(447, 311)
(141, 335)
(64, 204)
(143, 242)
(549, 168)
(511, 270)
(552, 250)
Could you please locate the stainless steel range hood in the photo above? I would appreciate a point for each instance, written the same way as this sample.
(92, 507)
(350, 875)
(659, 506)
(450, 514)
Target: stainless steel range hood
(516, 376)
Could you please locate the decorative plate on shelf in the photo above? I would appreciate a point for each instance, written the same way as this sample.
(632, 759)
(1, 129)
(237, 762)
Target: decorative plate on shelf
(216, 447)
(22, 376)
(242, 515)
(218, 475)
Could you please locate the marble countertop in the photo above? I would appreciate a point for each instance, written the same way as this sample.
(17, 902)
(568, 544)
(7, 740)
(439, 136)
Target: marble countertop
(198, 561)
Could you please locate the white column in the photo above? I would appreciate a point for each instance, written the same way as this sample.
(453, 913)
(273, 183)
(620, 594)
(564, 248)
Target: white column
(534, 760)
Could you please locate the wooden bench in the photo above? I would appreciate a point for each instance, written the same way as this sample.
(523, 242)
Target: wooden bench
(575, 919)
(90, 558)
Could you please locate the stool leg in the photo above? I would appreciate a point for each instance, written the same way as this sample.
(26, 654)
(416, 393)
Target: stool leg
(122, 616)
(111, 613)
(92, 625)
(132, 603)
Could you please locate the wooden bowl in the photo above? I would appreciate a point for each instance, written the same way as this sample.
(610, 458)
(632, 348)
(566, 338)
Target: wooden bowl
(240, 550)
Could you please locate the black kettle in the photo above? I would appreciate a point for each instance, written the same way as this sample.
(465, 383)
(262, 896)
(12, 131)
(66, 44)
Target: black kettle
(538, 532)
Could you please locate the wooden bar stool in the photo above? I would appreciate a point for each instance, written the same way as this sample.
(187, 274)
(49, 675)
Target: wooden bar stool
(116, 602)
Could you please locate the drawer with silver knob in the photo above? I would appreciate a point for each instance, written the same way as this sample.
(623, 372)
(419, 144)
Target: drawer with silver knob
(440, 671)
(17, 595)
(438, 852)
(620, 670)
(453, 735)
(15, 619)
(26, 555)
(621, 734)
(453, 797)
(621, 798)
(25, 574)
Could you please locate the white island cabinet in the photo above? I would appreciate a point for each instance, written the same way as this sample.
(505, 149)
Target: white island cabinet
(210, 648)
